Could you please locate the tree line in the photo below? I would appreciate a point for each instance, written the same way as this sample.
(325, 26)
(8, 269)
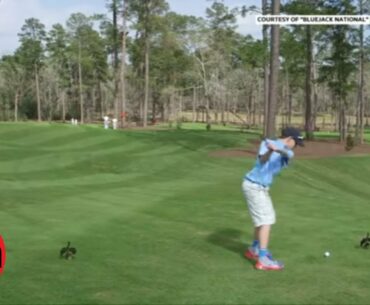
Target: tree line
(142, 62)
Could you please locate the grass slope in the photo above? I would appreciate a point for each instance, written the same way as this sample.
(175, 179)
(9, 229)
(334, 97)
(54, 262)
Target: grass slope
(155, 220)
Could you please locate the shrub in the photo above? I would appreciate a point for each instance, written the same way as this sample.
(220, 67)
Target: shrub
(350, 142)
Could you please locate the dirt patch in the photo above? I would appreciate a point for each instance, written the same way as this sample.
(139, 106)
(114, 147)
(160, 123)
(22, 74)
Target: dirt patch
(312, 150)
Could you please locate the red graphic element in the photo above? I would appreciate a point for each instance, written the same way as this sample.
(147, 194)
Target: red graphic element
(2, 255)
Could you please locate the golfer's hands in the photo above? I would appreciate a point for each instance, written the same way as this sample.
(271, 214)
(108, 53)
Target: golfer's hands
(272, 147)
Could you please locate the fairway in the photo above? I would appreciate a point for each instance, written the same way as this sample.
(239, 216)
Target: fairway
(156, 220)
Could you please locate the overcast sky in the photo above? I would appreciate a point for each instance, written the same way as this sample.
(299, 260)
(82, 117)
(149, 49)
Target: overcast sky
(14, 12)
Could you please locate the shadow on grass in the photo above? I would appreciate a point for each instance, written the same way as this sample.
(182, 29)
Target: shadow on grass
(229, 239)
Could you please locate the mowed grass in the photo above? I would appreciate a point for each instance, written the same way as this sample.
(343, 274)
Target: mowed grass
(157, 221)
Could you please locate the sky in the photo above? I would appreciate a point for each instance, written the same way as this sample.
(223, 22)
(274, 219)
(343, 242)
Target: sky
(14, 12)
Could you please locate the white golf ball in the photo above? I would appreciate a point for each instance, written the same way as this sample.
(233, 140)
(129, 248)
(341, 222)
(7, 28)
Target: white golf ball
(327, 254)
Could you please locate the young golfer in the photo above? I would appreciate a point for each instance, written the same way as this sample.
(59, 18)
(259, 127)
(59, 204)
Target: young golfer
(273, 156)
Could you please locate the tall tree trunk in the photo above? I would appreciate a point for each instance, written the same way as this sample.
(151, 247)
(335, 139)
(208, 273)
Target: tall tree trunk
(265, 69)
(227, 117)
(101, 98)
(362, 110)
(49, 103)
(180, 105)
(115, 55)
(285, 99)
(208, 117)
(141, 109)
(146, 98)
(38, 94)
(342, 123)
(333, 121)
(315, 106)
(115, 33)
(163, 113)
(215, 104)
(63, 97)
(16, 100)
(366, 110)
(116, 95)
(223, 99)
(80, 83)
(194, 104)
(315, 95)
(260, 104)
(359, 134)
(93, 98)
(206, 96)
(249, 107)
(290, 108)
(309, 128)
(123, 65)
(170, 106)
(254, 109)
(274, 73)
(154, 109)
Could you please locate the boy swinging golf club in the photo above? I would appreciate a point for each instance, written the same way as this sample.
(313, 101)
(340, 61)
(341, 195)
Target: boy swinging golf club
(273, 156)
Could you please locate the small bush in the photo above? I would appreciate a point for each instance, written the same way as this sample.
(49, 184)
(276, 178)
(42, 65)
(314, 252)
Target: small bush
(208, 127)
(350, 143)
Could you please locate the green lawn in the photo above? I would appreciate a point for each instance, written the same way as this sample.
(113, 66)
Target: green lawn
(155, 220)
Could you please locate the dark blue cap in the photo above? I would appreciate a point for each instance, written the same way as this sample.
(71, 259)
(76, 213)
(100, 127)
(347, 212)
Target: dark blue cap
(294, 133)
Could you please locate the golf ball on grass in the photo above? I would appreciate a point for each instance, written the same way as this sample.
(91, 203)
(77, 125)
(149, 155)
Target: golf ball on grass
(327, 254)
